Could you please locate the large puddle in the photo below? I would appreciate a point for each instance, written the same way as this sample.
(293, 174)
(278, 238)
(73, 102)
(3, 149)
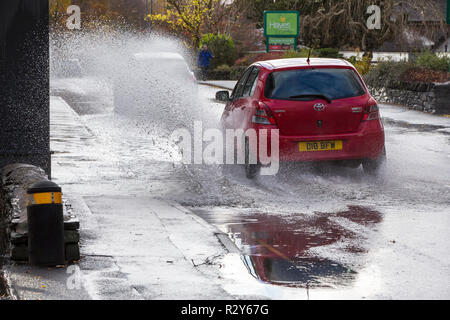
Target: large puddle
(320, 250)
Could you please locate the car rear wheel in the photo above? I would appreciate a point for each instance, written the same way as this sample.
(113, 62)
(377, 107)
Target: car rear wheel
(251, 170)
(373, 167)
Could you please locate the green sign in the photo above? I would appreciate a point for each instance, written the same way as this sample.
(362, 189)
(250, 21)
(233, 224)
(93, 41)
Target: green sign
(281, 23)
(277, 44)
(282, 41)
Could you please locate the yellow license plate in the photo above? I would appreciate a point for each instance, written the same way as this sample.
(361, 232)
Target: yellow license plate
(320, 146)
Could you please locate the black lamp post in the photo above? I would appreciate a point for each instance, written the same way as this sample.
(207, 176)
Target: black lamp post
(24, 83)
(146, 10)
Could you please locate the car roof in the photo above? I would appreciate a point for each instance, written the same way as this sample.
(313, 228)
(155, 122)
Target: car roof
(302, 62)
(158, 55)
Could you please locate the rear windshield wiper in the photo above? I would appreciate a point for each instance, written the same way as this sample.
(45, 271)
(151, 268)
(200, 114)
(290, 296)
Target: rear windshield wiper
(322, 96)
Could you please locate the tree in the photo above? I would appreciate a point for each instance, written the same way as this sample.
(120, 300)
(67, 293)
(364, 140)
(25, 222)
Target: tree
(343, 23)
(222, 47)
(107, 12)
(187, 18)
(57, 11)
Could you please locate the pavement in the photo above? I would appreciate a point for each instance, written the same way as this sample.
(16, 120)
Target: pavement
(390, 231)
(152, 228)
(164, 251)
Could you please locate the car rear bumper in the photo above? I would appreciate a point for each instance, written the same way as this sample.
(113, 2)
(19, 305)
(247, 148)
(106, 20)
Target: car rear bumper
(366, 143)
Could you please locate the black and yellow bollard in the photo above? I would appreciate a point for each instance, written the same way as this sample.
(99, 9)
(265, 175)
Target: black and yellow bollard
(45, 224)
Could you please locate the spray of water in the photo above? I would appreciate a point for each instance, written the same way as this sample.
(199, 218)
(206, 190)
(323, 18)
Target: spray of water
(148, 92)
(147, 89)
(152, 93)
(149, 75)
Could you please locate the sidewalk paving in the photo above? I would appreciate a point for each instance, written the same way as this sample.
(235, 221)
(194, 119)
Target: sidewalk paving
(133, 245)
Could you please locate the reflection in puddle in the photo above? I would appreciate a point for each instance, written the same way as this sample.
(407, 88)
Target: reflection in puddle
(283, 250)
(297, 273)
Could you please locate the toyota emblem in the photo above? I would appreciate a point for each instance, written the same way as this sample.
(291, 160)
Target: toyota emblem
(319, 107)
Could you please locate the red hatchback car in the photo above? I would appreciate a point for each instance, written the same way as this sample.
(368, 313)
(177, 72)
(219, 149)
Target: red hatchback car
(322, 108)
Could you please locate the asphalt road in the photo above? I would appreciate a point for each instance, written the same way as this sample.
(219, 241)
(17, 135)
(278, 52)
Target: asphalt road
(298, 235)
(342, 234)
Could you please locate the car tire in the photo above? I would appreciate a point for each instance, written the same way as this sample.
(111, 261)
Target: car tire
(373, 167)
(251, 170)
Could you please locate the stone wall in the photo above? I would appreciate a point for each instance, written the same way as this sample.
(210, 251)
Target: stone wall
(14, 180)
(426, 97)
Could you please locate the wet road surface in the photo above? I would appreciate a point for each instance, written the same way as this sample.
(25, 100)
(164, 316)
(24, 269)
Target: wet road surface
(283, 250)
(301, 234)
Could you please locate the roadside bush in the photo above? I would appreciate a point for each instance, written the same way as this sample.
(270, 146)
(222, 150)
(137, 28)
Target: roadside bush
(303, 53)
(225, 72)
(254, 57)
(315, 53)
(432, 61)
(223, 68)
(419, 74)
(237, 72)
(387, 73)
(222, 48)
(363, 64)
(222, 72)
(328, 53)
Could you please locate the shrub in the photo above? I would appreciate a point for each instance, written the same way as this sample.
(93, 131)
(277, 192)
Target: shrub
(303, 53)
(316, 53)
(254, 57)
(222, 48)
(225, 72)
(237, 72)
(328, 53)
(223, 68)
(244, 61)
(361, 64)
(431, 61)
(419, 74)
(387, 73)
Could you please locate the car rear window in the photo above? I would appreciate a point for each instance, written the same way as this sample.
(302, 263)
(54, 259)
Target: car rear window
(304, 84)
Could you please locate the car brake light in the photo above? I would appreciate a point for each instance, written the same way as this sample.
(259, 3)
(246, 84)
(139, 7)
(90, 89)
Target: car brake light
(263, 115)
(372, 111)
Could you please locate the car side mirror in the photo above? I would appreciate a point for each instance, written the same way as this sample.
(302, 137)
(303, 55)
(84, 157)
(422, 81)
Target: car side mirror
(223, 96)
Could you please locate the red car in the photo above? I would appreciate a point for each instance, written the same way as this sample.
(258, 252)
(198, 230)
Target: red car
(322, 108)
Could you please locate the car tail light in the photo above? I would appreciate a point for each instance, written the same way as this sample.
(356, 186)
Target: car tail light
(263, 115)
(372, 111)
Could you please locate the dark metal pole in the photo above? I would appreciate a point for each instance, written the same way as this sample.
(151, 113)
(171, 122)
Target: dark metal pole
(151, 10)
(146, 14)
(24, 83)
